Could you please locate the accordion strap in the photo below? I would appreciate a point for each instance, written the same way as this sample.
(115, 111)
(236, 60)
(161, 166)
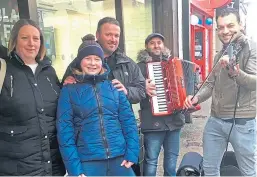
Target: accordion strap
(2, 73)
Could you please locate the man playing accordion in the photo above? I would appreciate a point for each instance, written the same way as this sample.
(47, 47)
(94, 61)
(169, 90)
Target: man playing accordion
(158, 130)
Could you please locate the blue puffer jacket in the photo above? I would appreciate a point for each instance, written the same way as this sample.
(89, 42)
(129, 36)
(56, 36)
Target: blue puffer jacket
(95, 122)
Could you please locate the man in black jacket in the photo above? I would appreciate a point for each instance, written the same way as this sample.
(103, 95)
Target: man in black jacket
(125, 74)
(158, 130)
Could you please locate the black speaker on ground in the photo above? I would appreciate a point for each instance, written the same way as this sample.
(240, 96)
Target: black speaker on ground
(191, 165)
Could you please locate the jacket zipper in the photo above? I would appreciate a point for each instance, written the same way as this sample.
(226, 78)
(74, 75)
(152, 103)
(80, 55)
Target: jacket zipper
(101, 122)
(11, 77)
(39, 124)
(51, 85)
(77, 137)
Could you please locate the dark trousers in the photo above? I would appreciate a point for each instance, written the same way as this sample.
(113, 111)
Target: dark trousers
(110, 167)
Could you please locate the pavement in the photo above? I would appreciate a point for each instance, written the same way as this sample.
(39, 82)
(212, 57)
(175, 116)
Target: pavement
(191, 135)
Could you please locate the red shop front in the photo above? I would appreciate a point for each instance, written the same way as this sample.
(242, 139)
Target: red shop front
(201, 18)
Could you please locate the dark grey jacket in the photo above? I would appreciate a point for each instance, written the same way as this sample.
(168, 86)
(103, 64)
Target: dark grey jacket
(28, 103)
(148, 121)
(127, 72)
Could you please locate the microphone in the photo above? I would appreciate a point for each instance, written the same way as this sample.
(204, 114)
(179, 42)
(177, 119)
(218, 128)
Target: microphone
(230, 48)
(230, 52)
(231, 57)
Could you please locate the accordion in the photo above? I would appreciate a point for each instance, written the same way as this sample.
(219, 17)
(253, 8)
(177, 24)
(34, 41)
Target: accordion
(174, 80)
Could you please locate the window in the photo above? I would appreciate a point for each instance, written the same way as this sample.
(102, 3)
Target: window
(199, 45)
(65, 22)
(137, 24)
(8, 16)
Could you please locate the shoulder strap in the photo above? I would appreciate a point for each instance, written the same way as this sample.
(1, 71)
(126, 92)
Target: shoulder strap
(2, 73)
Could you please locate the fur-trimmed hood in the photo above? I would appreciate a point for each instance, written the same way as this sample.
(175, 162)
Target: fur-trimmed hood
(143, 55)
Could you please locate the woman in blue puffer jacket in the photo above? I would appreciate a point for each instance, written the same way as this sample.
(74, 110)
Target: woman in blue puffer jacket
(96, 127)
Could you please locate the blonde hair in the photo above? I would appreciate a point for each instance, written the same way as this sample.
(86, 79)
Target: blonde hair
(14, 35)
(78, 72)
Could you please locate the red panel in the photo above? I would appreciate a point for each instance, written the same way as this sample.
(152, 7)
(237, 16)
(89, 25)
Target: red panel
(210, 4)
(205, 8)
(176, 70)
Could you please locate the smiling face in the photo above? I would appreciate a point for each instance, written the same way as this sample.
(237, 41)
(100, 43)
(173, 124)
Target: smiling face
(155, 46)
(28, 42)
(227, 26)
(108, 37)
(91, 65)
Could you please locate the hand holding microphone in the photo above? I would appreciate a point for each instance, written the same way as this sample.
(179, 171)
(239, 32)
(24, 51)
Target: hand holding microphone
(233, 66)
(229, 62)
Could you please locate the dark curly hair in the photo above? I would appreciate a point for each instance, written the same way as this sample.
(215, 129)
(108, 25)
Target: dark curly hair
(228, 11)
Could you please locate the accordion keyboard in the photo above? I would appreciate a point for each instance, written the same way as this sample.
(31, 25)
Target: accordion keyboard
(159, 102)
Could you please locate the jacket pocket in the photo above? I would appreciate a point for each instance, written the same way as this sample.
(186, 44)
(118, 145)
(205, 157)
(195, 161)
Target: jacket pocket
(12, 131)
(52, 87)
(249, 127)
(150, 122)
(12, 145)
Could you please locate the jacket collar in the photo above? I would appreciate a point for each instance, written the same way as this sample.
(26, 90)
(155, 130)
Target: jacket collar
(119, 56)
(144, 56)
(93, 79)
(43, 63)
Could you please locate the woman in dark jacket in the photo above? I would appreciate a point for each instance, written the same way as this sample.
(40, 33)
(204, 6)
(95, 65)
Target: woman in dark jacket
(28, 142)
(96, 127)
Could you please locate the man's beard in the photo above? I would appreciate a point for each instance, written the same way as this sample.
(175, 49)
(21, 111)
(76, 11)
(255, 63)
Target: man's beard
(154, 55)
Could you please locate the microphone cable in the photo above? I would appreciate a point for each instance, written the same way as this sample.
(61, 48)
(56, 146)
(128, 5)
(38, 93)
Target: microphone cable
(234, 114)
(231, 57)
(234, 117)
